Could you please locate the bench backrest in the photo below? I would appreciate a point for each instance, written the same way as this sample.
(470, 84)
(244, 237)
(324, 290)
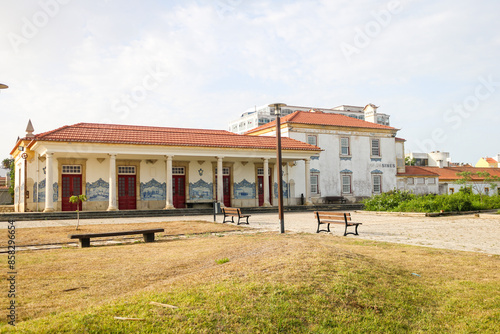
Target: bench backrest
(332, 215)
(232, 211)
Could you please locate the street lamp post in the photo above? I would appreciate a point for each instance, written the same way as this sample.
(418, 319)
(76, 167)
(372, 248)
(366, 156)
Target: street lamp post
(277, 112)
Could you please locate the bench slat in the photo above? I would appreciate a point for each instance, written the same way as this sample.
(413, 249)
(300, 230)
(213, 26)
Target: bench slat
(233, 212)
(341, 218)
(114, 234)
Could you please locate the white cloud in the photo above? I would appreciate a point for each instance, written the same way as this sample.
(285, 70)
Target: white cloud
(218, 58)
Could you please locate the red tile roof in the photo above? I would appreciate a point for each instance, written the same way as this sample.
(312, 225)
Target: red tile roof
(148, 135)
(417, 171)
(490, 160)
(450, 173)
(321, 118)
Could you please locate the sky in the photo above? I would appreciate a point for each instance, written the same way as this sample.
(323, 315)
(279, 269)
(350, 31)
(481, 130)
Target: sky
(432, 65)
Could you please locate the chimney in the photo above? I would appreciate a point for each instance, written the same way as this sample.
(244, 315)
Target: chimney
(29, 130)
(370, 111)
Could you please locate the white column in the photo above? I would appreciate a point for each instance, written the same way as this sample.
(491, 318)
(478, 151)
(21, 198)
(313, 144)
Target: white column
(112, 183)
(267, 200)
(220, 183)
(168, 172)
(49, 190)
(308, 182)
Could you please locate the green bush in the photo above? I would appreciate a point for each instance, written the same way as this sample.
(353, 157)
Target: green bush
(404, 201)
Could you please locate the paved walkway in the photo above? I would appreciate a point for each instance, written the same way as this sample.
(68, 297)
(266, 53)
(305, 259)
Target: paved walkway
(467, 233)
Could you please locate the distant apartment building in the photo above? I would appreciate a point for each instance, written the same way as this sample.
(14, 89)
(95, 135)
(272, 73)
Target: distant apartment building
(436, 158)
(258, 116)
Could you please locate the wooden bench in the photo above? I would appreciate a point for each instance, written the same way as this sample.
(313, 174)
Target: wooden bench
(335, 199)
(233, 212)
(84, 239)
(328, 218)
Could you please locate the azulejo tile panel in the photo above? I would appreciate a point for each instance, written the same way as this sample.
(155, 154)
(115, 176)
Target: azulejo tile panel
(153, 191)
(39, 192)
(244, 190)
(55, 188)
(201, 190)
(285, 189)
(97, 191)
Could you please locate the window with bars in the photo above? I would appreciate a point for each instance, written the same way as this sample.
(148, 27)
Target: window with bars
(420, 180)
(375, 149)
(126, 170)
(178, 171)
(312, 140)
(314, 183)
(431, 180)
(344, 146)
(346, 184)
(71, 169)
(377, 184)
(410, 180)
(225, 170)
(260, 171)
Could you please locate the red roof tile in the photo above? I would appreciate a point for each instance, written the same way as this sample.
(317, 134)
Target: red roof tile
(321, 118)
(146, 135)
(450, 173)
(417, 171)
(490, 160)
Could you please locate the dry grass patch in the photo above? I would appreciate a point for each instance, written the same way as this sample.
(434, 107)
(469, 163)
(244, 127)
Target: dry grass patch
(292, 283)
(59, 234)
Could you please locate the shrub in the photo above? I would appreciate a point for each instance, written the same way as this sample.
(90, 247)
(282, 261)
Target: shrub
(404, 201)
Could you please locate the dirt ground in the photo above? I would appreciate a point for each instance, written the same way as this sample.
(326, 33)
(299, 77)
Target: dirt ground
(466, 233)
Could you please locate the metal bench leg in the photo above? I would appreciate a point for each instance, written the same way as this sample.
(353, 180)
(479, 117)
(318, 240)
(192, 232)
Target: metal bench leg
(356, 229)
(149, 237)
(84, 242)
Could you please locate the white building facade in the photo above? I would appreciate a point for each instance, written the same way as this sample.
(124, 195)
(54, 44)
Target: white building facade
(359, 158)
(136, 167)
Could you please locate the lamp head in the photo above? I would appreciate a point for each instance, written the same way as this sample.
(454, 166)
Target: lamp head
(277, 107)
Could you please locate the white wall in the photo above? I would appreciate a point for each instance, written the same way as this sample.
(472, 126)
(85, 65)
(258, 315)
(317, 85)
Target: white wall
(330, 164)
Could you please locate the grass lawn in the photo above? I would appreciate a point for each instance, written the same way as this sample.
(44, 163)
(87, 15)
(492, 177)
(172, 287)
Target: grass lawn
(59, 234)
(256, 283)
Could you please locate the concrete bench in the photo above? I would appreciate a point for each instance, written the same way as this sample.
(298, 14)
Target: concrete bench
(84, 239)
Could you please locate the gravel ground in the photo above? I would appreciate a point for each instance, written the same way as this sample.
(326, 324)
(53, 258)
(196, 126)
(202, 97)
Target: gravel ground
(466, 233)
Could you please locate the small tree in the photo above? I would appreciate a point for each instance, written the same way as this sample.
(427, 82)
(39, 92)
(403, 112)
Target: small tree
(9, 164)
(76, 200)
(474, 181)
(410, 161)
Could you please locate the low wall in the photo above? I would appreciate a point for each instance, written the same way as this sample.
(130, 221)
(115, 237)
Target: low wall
(5, 197)
(6, 208)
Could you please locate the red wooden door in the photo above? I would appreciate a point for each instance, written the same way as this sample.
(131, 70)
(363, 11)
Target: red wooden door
(226, 190)
(179, 191)
(260, 184)
(71, 186)
(126, 192)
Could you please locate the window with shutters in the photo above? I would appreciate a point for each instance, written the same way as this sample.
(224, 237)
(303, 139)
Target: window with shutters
(344, 146)
(375, 149)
